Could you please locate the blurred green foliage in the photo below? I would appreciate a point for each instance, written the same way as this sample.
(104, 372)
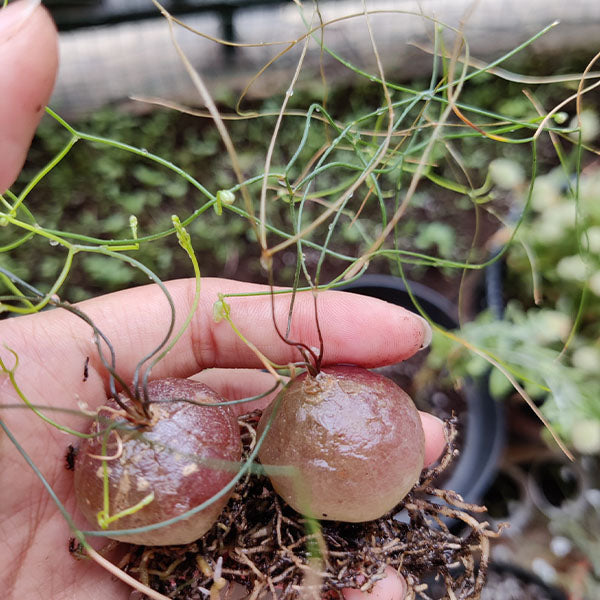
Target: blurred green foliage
(95, 189)
(549, 338)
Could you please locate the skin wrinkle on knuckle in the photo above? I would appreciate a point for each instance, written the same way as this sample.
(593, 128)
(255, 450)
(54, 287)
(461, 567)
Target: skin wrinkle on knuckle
(203, 337)
(304, 325)
(271, 344)
(217, 345)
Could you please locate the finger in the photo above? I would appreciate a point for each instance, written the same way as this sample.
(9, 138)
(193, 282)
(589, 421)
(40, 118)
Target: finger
(28, 65)
(435, 438)
(392, 587)
(355, 329)
(235, 384)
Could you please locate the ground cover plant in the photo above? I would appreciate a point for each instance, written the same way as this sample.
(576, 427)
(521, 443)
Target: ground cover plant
(319, 210)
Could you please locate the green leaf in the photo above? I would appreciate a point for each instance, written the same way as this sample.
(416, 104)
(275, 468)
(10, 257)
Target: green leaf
(437, 234)
(148, 176)
(107, 271)
(177, 188)
(499, 385)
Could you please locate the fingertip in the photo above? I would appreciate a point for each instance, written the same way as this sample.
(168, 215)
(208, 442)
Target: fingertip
(28, 66)
(367, 331)
(427, 332)
(435, 438)
(391, 587)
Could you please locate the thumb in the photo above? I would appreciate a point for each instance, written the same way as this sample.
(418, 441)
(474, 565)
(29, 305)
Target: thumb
(28, 65)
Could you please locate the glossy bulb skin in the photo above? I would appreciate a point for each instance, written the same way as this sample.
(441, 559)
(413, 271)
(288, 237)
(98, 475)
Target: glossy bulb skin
(354, 438)
(187, 456)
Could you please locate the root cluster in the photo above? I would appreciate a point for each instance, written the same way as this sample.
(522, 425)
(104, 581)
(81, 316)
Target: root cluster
(437, 544)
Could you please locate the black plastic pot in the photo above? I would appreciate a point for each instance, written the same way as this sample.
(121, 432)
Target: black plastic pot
(483, 431)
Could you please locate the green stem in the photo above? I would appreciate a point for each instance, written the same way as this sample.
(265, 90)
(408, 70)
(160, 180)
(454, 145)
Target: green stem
(11, 376)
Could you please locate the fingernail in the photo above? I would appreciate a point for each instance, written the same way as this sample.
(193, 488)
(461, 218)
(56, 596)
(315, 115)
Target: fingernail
(14, 16)
(427, 333)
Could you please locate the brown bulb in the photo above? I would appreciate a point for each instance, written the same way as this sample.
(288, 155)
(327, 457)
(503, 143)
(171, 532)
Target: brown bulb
(187, 455)
(354, 439)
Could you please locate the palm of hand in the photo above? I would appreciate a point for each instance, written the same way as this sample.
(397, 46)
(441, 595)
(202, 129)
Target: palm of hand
(36, 560)
(53, 348)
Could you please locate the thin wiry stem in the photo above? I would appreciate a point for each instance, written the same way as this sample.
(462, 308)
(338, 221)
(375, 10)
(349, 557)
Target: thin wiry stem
(214, 112)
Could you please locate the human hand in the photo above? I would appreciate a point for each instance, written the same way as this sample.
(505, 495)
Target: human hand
(54, 346)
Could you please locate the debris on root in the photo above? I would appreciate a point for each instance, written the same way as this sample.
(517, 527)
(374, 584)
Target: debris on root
(272, 551)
